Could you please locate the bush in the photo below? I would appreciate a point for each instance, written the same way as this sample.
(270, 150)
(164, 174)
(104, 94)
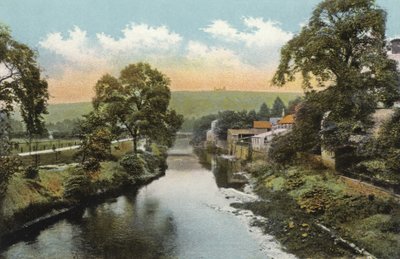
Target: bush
(31, 172)
(316, 200)
(133, 164)
(9, 166)
(78, 186)
(260, 168)
(282, 150)
(91, 165)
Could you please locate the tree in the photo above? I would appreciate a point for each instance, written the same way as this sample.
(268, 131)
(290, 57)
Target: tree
(294, 104)
(20, 85)
(278, 108)
(96, 137)
(233, 120)
(137, 103)
(21, 82)
(264, 112)
(342, 50)
(201, 126)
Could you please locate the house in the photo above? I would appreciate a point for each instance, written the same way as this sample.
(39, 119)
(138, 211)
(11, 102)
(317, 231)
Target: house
(239, 141)
(243, 135)
(274, 120)
(286, 122)
(262, 125)
(395, 46)
(212, 133)
(261, 142)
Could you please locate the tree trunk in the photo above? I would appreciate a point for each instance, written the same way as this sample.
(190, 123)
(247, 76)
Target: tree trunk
(135, 140)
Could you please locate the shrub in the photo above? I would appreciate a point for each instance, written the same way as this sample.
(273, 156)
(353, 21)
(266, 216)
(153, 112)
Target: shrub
(282, 150)
(260, 168)
(316, 200)
(9, 166)
(133, 164)
(78, 186)
(31, 172)
(91, 165)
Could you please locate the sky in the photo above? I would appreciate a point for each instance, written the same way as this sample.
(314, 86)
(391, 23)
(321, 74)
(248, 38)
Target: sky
(199, 45)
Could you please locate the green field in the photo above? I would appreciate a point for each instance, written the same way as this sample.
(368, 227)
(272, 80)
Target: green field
(190, 104)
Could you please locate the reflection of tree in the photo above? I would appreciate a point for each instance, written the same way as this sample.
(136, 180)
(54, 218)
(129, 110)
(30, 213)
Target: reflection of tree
(127, 228)
(205, 158)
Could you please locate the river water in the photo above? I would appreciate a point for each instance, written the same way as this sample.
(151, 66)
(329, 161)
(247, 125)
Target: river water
(185, 214)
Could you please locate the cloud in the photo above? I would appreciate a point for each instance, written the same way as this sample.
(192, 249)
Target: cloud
(75, 48)
(213, 56)
(138, 42)
(237, 59)
(141, 37)
(259, 33)
(258, 44)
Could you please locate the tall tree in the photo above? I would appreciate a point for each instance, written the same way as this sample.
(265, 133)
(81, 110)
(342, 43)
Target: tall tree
(20, 85)
(342, 51)
(264, 112)
(278, 108)
(137, 103)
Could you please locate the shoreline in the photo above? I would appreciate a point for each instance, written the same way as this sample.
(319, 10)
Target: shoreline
(59, 210)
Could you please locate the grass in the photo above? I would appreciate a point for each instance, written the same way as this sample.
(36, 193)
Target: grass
(189, 104)
(360, 213)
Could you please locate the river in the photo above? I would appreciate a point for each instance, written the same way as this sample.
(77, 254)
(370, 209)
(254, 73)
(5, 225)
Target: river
(185, 214)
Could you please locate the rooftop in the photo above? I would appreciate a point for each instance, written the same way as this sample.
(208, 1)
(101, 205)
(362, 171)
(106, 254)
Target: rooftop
(262, 124)
(288, 119)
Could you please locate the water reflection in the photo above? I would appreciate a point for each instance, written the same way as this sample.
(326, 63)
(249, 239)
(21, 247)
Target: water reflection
(173, 217)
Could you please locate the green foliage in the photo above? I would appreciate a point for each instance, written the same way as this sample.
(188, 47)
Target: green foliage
(342, 49)
(234, 120)
(200, 128)
(21, 83)
(31, 172)
(78, 185)
(8, 166)
(137, 103)
(316, 200)
(278, 108)
(96, 140)
(281, 150)
(133, 164)
(91, 165)
(264, 113)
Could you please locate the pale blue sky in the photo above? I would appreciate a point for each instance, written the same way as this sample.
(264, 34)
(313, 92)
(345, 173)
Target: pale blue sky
(200, 44)
(31, 20)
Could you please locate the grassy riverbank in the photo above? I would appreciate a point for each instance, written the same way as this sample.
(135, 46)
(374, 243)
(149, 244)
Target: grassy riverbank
(298, 199)
(58, 187)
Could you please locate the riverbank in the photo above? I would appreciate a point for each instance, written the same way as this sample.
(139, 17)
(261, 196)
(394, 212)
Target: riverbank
(306, 205)
(31, 203)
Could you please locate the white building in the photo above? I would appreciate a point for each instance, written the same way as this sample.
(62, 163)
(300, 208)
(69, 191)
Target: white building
(212, 133)
(261, 142)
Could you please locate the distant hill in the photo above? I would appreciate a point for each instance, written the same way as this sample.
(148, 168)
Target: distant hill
(190, 104)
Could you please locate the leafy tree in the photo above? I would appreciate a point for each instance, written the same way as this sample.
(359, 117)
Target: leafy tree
(96, 138)
(21, 82)
(201, 126)
(20, 85)
(294, 104)
(388, 143)
(137, 103)
(264, 112)
(233, 120)
(8, 165)
(342, 50)
(278, 107)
